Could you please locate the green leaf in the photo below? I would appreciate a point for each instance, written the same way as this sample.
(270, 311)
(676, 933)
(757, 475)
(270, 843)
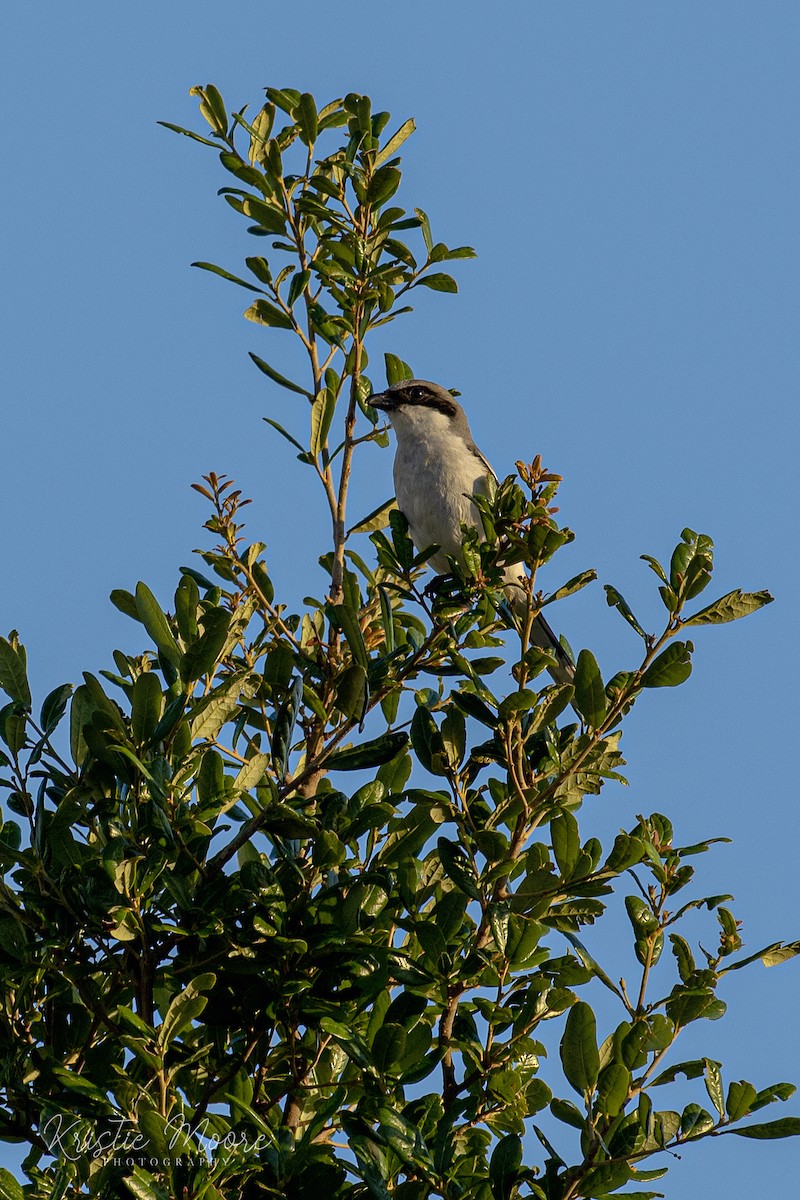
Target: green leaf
(571, 586)
(615, 599)
(369, 754)
(146, 702)
(438, 282)
(156, 624)
(566, 842)
(389, 1046)
(672, 667)
(394, 143)
(283, 730)
(268, 216)
(566, 1111)
(188, 133)
(54, 707)
(425, 226)
(740, 1099)
(713, 1082)
(347, 619)
(9, 1188)
(458, 867)
(305, 113)
(216, 104)
(383, 185)
(252, 772)
(780, 954)
(203, 655)
(211, 713)
(352, 692)
(731, 607)
(125, 602)
(396, 369)
(504, 1166)
(13, 675)
(695, 1121)
(276, 377)
(613, 1085)
(206, 266)
(297, 287)
(590, 696)
(784, 1127)
(377, 519)
(284, 433)
(461, 252)
(264, 313)
(286, 99)
(427, 742)
(579, 1055)
(260, 268)
(691, 564)
(322, 411)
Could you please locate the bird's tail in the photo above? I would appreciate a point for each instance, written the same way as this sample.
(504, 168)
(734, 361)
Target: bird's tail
(543, 637)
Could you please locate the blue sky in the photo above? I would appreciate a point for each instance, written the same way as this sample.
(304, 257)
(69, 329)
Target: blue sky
(628, 175)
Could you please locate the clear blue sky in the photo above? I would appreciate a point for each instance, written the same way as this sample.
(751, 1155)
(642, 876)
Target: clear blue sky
(628, 174)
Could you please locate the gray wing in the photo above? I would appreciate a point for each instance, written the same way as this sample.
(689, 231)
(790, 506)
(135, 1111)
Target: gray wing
(489, 471)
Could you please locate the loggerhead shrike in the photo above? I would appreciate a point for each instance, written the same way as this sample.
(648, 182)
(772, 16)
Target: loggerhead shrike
(437, 468)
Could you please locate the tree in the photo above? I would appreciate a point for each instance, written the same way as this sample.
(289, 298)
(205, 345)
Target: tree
(300, 902)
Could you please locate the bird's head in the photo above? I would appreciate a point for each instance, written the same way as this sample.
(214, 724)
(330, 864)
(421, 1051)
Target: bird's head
(416, 408)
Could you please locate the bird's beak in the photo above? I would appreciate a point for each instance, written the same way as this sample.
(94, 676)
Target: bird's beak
(382, 401)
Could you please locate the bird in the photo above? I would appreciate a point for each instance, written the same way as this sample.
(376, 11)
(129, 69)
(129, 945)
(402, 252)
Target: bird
(437, 469)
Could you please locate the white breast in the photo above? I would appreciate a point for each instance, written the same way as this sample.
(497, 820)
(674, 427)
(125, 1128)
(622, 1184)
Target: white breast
(434, 475)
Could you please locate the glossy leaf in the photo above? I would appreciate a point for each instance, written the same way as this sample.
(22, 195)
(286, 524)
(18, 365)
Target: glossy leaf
(578, 1049)
(590, 696)
(54, 707)
(672, 667)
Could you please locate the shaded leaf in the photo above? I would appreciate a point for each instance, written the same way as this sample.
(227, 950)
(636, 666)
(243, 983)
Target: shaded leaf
(504, 1166)
(783, 1127)
(672, 667)
(458, 867)
(156, 624)
(368, 754)
(215, 270)
(615, 599)
(276, 377)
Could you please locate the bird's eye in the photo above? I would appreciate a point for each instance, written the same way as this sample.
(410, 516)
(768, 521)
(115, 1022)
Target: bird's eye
(417, 393)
